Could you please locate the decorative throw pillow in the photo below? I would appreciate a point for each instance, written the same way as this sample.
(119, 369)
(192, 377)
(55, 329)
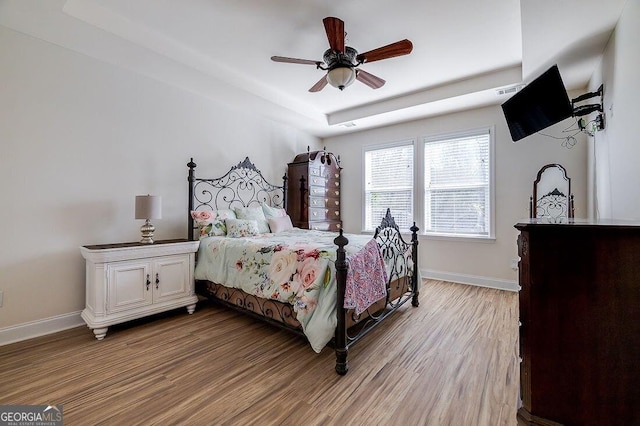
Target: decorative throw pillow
(226, 214)
(272, 211)
(253, 213)
(237, 228)
(211, 222)
(279, 224)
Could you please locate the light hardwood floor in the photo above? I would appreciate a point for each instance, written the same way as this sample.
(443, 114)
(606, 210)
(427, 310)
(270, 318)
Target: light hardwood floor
(451, 361)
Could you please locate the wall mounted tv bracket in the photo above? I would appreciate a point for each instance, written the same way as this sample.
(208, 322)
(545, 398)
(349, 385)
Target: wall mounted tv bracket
(580, 110)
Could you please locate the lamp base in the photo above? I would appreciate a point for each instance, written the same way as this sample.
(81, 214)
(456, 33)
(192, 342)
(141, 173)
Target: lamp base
(147, 232)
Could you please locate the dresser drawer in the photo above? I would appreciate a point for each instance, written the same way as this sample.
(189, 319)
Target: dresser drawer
(319, 191)
(325, 226)
(325, 172)
(324, 202)
(322, 214)
(317, 181)
(333, 183)
(330, 183)
(316, 172)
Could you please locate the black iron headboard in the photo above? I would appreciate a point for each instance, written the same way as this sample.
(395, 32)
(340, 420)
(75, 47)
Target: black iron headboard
(242, 186)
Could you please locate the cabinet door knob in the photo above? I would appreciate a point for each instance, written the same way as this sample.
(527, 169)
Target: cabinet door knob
(148, 282)
(157, 281)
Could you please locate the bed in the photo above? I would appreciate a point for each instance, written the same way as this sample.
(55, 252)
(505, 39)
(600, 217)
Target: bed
(330, 288)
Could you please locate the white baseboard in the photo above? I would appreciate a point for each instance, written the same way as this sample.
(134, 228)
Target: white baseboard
(496, 283)
(45, 326)
(38, 328)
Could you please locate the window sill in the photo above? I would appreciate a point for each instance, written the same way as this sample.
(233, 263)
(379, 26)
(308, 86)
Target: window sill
(436, 237)
(462, 239)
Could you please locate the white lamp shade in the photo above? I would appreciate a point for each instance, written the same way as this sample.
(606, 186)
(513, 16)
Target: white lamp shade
(341, 77)
(148, 207)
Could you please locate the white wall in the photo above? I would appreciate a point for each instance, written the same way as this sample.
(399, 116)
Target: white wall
(516, 166)
(79, 138)
(614, 153)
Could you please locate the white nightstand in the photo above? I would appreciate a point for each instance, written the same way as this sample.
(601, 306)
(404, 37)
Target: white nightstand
(132, 280)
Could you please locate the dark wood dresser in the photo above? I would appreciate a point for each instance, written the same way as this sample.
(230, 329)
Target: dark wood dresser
(313, 194)
(580, 323)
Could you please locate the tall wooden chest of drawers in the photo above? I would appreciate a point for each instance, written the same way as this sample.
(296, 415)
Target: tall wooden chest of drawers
(313, 194)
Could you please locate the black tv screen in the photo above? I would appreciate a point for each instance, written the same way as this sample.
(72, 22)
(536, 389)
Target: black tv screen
(542, 103)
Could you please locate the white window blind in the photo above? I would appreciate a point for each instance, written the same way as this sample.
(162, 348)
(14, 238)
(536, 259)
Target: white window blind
(389, 184)
(457, 185)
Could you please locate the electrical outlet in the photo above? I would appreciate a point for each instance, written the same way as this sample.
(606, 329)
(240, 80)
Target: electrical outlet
(1, 294)
(514, 264)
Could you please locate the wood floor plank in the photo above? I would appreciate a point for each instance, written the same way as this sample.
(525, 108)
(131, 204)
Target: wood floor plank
(451, 361)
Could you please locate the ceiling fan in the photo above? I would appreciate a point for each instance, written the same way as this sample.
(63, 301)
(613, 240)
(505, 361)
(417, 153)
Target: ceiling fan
(341, 62)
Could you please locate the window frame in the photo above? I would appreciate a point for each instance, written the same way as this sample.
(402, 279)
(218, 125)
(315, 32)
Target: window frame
(378, 146)
(490, 130)
(419, 178)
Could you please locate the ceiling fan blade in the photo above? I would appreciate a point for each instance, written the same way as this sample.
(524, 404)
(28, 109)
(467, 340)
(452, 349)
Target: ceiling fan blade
(295, 60)
(369, 79)
(319, 85)
(399, 48)
(335, 33)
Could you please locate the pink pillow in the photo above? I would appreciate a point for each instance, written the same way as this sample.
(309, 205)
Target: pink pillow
(279, 224)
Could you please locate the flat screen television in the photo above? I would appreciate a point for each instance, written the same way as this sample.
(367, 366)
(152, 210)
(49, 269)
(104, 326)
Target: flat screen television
(542, 103)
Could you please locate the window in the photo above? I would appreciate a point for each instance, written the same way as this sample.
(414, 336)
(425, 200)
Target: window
(457, 178)
(453, 195)
(389, 184)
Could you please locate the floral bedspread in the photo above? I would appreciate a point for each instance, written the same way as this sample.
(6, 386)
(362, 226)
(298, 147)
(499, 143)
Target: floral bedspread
(297, 267)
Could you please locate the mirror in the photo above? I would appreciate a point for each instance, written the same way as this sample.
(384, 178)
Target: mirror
(552, 198)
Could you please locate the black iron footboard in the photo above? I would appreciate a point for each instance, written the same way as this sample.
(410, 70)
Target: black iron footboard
(403, 274)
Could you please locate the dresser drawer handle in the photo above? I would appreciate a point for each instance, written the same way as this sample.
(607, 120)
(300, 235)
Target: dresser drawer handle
(157, 281)
(337, 183)
(337, 203)
(337, 212)
(148, 282)
(337, 193)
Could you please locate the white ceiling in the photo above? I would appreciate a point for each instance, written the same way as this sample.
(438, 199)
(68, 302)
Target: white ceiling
(463, 49)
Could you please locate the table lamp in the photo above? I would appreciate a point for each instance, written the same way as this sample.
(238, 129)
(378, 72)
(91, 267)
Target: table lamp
(148, 207)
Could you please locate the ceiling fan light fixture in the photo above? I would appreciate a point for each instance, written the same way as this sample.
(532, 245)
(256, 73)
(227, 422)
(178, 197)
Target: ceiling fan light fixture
(341, 77)
(340, 61)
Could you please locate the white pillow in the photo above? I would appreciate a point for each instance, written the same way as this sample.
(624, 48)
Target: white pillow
(237, 228)
(226, 214)
(253, 213)
(279, 224)
(272, 211)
